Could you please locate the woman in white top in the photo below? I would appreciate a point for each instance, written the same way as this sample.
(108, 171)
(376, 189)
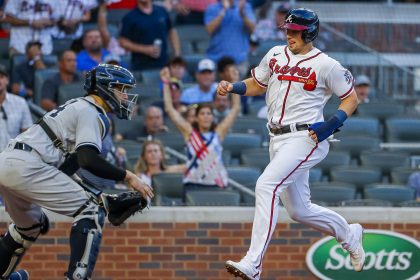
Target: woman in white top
(152, 161)
(203, 138)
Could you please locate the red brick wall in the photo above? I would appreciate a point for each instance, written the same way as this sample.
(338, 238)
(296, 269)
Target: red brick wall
(160, 251)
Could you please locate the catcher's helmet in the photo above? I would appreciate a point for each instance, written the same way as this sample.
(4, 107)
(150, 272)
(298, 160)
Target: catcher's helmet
(112, 83)
(303, 20)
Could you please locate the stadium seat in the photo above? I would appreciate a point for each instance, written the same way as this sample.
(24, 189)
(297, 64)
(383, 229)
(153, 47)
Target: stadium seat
(332, 195)
(360, 126)
(251, 125)
(174, 140)
(258, 158)
(355, 144)
(334, 159)
(192, 33)
(366, 202)
(237, 142)
(145, 90)
(129, 126)
(380, 111)
(151, 78)
(213, 198)
(360, 176)
(60, 45)
(69, 91)
(201, 46)
(384, 160)
(246, 176)
(315, 175)
(410, 203)
(400, 175)
(402, 130)
(4, 49)
(40, 77)
(168, 189)
(255, 106)
(393, 193)
(313, 185)
(115, 16)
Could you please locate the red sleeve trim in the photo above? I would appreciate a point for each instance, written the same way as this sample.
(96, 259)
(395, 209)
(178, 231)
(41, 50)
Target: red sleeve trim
(255, 78)
(347, 93)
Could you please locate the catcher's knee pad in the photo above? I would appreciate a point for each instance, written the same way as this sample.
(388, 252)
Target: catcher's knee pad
(16, 241)
(85, 240)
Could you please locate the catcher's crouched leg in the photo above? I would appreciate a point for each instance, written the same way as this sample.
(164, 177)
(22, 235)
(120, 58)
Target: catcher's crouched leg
(16, 241)
(85, 240)
(121, 206)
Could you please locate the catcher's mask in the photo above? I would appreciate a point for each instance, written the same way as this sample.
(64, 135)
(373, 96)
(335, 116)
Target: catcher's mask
(304, 20)
(113, 83)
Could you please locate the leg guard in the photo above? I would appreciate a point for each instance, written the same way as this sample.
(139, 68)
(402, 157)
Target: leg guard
(15, 242)
(85, 240)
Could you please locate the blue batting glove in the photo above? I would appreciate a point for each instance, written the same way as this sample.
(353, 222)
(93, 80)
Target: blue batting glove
(323, 130)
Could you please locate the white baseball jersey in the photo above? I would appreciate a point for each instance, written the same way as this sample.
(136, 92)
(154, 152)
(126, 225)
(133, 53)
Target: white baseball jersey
(31, 10)
(298, 86)
(76, 123)
(72, 10)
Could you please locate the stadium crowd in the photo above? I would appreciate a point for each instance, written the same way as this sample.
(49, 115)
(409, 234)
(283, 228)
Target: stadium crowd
(177, 50)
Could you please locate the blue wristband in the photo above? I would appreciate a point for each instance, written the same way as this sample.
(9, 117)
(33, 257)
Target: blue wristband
(324, 129)
(341, 116)
(239, 88)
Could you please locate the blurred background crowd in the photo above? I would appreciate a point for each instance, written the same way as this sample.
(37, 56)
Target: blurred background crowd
(186, 141)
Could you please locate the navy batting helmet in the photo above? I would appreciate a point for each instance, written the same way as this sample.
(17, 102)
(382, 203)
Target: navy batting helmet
(303, 20)
(112, 83)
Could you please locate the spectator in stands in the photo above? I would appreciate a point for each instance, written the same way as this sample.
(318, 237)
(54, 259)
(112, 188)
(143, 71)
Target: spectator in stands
(205, 167)
(230, 23)
(145, 32)
(414, 182)
(221, 107)
(175, 90)
(205, 88)
(71, 16)
(67, 74)
(268, 29)
(93, 52)
(15, 116)
(24, 74)
(152, 125)
(362, 88)
(227, 70)
(177, 68)
(30, 21)
(112, 59)
(152, 162)
(188, 113)
(110, 42)
(190, 11)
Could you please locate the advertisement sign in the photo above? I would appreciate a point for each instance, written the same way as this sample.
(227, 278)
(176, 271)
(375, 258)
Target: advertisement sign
(389, 256)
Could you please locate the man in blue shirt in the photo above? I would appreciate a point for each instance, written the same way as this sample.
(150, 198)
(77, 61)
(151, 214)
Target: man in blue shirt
(145, 32)
(205, 88)
(229, 23)
(93, 52)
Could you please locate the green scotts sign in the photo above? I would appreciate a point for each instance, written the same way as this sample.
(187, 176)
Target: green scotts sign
(389, 256)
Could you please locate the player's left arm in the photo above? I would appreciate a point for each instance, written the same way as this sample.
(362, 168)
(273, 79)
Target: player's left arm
(340, 81)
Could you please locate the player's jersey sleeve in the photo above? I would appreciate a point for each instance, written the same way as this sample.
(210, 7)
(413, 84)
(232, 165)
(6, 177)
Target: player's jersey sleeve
(89, 129)
(340, 81)
(261, 73)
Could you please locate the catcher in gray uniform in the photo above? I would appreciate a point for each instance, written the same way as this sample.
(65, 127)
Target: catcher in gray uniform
(36, 166)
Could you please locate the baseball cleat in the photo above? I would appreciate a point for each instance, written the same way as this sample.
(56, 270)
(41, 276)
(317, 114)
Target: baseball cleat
(357, 253)
(237, 270)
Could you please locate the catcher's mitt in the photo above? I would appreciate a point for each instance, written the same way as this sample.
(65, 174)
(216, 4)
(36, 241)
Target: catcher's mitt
(121, 206)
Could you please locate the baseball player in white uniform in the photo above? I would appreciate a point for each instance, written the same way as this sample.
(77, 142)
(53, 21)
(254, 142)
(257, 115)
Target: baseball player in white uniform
(298, 80)
(36, 166)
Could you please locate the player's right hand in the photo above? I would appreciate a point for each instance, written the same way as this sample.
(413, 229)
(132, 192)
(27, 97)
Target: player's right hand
(223, 88)
(134, 182)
